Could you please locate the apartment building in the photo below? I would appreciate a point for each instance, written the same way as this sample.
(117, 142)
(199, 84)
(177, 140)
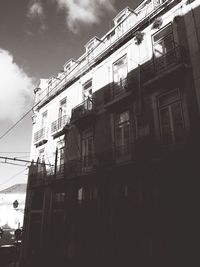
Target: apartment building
(115, 135)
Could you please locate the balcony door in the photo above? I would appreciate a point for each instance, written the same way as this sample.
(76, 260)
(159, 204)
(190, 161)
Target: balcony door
(61, 156)
(87, 149)
(87, 95)
(120, 72)
(62, 113)
(171, 118)
(44, 120)
(122, 136)
(164, 48)
(42, 132)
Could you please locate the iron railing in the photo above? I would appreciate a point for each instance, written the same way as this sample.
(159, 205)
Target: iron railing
(40, 135)
(158, 65)
(110, 40)
(59, 124)
(85, 108)
(120, 89)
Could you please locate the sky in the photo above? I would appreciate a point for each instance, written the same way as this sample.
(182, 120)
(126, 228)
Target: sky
(36, 39)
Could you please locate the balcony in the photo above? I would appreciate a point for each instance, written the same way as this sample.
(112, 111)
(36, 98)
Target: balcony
(57, 126)
(60, 171)
(40, 137)
(81, 166)
(173, 60)
(84, 113)
(121, 91)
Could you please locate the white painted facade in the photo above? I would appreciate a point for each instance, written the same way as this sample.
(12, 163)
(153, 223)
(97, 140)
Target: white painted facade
(56, 89)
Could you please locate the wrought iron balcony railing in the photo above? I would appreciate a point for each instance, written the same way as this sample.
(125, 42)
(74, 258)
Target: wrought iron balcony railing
(59, 124)
(118, 90)
(165, 62)
(60, 170)
(40, 135)
(84, 109)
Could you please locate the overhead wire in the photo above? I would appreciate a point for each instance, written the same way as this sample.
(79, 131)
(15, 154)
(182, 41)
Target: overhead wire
(53, 87)
(12, 177)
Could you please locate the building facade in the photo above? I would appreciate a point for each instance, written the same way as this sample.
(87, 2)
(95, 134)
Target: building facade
(115, 137)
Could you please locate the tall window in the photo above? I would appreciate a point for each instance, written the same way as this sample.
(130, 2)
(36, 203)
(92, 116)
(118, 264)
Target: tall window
(41, 155)
(163, 47)
(120, 72)
(61, 156)
(87, 149)
(62, 113)
(87, 95)
(122, 136)
(44, 120)
(171, 117)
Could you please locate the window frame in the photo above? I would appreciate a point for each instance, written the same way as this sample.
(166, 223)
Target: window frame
(118, 125)
(171, 119)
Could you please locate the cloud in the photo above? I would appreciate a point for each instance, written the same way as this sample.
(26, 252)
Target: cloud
(35, 9)
(84, 11)
(36, 13)
(15, 88)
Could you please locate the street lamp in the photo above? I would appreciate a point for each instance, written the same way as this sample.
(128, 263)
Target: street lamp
(15, 206)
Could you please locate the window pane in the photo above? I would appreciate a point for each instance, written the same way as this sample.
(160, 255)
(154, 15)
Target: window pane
(120, 70)
(168, 98)
(162, 33)
(122, 117)
(118, 136)
(177, 122)
(165, 126)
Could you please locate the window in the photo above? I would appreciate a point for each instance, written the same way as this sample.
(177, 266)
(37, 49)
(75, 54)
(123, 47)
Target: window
(171, 117)
(44, 120)
(59, 197)
(62, 113)
(87, 95)
(87, 193)
(120, 72)
(67, 67)
(163, 48)
(122, 136)
(61, 156)
(41, 157)
(87, 149)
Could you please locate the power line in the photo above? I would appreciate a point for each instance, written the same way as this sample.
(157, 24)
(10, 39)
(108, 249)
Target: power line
(13, 164)
(53, 87)
(12, 177)
(61, 80)
(17, 152)
(23, 160)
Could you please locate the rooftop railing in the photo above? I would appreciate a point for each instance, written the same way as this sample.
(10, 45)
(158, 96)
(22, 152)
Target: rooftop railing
(130, 22)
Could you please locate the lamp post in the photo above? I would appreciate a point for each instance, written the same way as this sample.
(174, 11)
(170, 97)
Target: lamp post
(15, 206)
